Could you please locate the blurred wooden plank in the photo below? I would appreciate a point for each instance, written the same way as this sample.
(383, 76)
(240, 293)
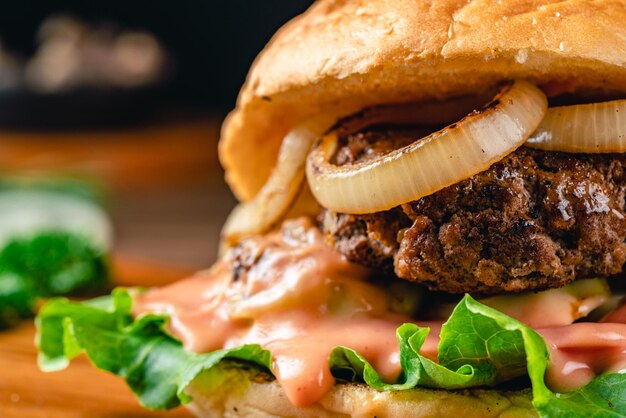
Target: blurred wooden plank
(159, 155)
(178, 227)
(135, 272)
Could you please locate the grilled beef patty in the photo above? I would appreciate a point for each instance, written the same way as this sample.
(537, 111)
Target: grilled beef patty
(535, 220)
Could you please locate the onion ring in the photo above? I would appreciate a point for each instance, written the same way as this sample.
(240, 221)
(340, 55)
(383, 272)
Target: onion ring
(429, 164)
(282, 187)
(587, 128)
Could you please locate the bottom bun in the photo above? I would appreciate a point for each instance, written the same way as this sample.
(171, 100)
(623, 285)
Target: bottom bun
(233, 391)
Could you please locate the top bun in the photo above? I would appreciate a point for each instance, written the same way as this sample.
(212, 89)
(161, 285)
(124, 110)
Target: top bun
(360, 53)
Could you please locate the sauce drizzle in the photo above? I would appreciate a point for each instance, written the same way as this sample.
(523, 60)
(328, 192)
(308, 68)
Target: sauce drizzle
(295, 296)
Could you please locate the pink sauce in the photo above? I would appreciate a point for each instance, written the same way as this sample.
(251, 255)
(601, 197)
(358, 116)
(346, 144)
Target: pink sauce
(579, 352)
(299, 299)
(301, 343)
(555, 307)
(296, 297)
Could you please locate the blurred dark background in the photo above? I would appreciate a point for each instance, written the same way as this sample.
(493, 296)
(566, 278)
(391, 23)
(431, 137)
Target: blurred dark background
(211, 42)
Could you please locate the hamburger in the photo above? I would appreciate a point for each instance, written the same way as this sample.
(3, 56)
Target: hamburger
(432, 223)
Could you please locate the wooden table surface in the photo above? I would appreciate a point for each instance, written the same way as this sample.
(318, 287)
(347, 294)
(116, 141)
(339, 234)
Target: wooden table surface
(81, 391)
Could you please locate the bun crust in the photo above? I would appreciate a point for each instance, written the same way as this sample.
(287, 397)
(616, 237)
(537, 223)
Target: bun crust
(235, 392)
(359, 53)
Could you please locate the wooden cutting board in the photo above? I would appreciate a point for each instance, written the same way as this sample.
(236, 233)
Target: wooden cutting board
(81, 391)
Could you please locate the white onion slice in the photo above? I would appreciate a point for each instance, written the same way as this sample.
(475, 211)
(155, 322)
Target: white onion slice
(586, 128)
(282, 187)
(431, 163)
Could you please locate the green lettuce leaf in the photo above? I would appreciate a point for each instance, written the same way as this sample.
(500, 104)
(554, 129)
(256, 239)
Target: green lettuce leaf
(479, 347)
(156, 366)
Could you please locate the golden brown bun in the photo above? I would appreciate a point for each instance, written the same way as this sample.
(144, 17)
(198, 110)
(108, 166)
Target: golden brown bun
(234, 392)
(363, 52)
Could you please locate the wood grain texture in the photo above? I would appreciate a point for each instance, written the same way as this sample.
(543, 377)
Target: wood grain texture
(171, 153)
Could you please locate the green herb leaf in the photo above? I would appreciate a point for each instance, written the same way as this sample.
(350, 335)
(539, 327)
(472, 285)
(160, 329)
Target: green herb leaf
(48, 264)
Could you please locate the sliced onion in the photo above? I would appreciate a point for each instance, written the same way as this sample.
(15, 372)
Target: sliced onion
(282, 187)
(586, 128)
(431, 163)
